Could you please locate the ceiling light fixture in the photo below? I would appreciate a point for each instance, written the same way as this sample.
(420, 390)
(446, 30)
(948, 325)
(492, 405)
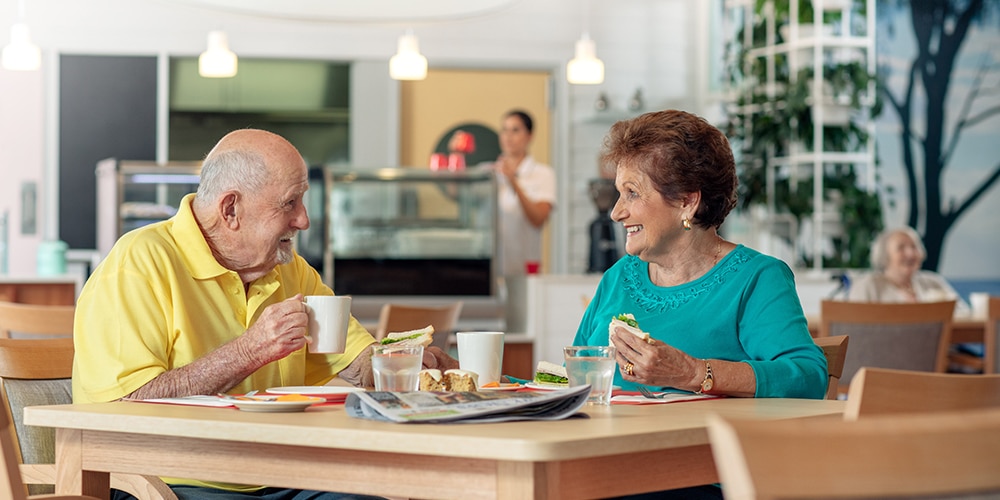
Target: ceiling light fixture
(585, 68)
(217, 61)
(408, 63)
(21, 54)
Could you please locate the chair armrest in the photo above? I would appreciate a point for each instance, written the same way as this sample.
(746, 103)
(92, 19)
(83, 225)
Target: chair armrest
(142, 487)
(139, 486)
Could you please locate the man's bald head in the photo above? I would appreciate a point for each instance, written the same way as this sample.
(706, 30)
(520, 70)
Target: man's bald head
(245, 160)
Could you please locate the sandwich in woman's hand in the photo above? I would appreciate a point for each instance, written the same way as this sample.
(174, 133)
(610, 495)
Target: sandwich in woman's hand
(412, 338)
(551, 374)
(628, 322)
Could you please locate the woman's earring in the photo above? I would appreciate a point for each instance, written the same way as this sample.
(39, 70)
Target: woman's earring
(686, 223)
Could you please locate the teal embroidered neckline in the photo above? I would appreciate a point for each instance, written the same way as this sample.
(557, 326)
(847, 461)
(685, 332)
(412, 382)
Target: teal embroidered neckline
(651, 298)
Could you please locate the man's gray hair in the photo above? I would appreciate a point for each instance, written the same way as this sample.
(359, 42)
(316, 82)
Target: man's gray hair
(880, 254)
(245, 171)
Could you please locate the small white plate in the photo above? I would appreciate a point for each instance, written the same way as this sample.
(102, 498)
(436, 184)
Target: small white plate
(272, 406)
(503, 387)
(546, 387)
(314, 390)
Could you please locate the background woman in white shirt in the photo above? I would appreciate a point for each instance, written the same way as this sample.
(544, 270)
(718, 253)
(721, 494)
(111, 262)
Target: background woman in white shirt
(526, 196)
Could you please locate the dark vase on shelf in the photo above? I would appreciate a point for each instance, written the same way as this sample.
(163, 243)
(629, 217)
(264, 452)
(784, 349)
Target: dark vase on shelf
(603, 241)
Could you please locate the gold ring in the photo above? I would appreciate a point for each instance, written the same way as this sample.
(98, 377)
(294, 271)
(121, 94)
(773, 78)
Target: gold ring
(628, 368)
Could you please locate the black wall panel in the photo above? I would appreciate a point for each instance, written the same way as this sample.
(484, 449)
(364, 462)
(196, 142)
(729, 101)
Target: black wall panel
(107, 108)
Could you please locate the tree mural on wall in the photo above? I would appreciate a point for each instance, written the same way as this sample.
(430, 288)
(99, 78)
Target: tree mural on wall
(940, 27)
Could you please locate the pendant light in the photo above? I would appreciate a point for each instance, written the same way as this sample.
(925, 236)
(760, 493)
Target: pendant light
(217, 61)
(585, 68)
(21, 54)
(408, 63)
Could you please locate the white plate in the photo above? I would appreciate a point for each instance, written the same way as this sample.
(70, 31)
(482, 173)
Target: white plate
(546, 387)
(314, 390)
(503, 387)
(271, 406)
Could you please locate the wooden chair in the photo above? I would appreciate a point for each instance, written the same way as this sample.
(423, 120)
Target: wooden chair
(901, 336)
(877, 391)
(991, 337)
(835, 350)
(38, 371)
(35, 319)
(400, 318)
(933, 454)
(11, 484)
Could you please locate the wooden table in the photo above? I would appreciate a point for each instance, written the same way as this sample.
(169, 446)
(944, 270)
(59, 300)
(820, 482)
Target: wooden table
(621, 449)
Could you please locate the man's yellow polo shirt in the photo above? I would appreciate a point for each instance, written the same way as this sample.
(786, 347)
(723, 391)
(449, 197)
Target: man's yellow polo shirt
(160, 300)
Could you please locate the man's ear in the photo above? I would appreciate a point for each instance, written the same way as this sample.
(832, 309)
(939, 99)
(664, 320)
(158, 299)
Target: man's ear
(229, 209)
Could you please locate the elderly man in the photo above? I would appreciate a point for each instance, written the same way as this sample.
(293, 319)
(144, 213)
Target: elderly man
(211, 300)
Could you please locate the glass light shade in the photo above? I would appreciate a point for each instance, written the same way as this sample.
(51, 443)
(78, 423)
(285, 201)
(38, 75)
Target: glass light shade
(21, 54)
(408, 64)
(585, 68)
(218, 61)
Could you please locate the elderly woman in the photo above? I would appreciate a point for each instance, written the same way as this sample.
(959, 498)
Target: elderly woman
(722, 318)
(897, 255)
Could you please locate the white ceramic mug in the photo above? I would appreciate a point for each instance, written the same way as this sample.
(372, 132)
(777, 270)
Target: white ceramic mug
(482, 353)
(328, 319)
(980, 302)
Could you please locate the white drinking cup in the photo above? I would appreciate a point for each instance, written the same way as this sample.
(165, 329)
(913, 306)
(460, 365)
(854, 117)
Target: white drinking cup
(980, 302)
(482, 353)
(329, 316)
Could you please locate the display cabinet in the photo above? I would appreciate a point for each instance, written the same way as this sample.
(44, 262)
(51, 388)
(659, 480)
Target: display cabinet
(131, 194)
(411, 232)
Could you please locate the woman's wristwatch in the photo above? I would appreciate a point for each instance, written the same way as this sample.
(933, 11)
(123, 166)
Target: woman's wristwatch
(709, 382)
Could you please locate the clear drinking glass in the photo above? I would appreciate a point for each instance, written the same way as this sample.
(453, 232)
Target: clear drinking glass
(397, 368)
(594, 365)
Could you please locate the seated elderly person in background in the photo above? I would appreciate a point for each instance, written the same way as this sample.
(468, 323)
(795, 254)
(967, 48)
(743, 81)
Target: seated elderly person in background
(722, 318)
(896, 257)
(211, 300)
(896, 277)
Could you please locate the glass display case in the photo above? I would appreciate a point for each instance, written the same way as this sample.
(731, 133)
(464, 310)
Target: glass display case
(131, 194)
(411, 232)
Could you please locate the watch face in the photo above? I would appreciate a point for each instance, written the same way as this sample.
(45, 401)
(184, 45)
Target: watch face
(707, 385)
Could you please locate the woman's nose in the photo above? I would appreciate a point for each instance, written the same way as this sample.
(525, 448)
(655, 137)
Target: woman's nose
(618, 211)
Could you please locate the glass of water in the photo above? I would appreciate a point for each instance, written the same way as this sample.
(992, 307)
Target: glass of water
(397, 368)
(594, 365)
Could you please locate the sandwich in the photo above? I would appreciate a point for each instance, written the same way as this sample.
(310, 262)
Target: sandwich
(550, 374)
(628, 322)
(450, 381)
(410, 338)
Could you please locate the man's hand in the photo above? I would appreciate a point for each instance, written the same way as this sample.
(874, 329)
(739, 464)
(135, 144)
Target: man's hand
(435, 358)
(280, 331)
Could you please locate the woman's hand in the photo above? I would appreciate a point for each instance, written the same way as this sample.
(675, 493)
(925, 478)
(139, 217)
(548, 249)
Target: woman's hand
(654, 363)
(506, 166)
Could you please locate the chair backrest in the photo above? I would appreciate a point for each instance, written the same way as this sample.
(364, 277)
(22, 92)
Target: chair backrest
(401, 318)
(902, 336)
(933, 454)
(876, 391)
(991, 337)
(835, 350)
(35, 319)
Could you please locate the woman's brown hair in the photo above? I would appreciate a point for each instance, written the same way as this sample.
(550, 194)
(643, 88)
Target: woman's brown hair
(681, 153)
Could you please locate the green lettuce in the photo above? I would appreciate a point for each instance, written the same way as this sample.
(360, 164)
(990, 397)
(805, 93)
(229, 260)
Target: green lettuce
(628, 319)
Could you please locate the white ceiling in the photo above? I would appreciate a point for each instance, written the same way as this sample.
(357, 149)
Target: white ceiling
(356, 11)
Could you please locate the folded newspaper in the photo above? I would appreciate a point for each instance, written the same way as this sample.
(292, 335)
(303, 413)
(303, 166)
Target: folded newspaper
(480, 406)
